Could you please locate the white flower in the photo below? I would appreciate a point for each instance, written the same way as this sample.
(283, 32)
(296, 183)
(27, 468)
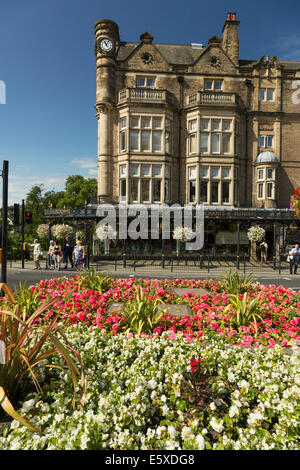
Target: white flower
(152, 384)
(172, 432)
(185, 432)
(104, 232)
(27, 405)
(212, 406)
(183, 234)
(255, 418)
(231, 377)
(200, 442)
(233, 411)
(43, 230)
(217, 425)
(165, 410)
(256, 233)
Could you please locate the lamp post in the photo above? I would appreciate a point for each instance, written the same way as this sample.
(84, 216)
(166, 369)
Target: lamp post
(4, 221)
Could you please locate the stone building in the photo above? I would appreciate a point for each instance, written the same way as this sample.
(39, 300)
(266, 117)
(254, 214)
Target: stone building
(195, 124)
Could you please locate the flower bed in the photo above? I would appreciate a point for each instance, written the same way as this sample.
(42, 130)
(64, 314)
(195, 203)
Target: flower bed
(186, 385)
(144, 393)
(279, 308)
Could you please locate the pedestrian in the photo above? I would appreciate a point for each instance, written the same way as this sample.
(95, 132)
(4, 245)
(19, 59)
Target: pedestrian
(294, 255)
(68, 252)
(56, 256)
(78, 255)
(36, 254)
(263, 251)
(50, 255)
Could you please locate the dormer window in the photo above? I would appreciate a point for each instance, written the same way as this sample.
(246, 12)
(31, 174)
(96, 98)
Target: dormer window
(145, 82)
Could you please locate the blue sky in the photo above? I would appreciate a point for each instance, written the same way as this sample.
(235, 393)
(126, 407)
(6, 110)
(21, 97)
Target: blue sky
(48, 128)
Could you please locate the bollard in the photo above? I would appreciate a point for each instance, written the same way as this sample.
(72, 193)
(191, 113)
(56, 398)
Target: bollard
(207, 263)
(124, 260)
(163, 261)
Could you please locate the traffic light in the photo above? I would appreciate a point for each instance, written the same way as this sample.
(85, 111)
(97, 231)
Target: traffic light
(28, 217)
(17, 214)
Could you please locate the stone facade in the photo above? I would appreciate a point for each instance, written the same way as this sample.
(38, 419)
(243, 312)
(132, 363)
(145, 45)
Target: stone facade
(186, 123)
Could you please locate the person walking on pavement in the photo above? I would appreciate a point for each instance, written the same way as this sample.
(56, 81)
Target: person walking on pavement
(263, 251)
(36, 254)
(56, 256)
(294, 255)
(50, 255)
(68, 252)
(79, 256)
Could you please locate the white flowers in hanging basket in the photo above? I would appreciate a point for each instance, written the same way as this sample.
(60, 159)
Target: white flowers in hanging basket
(105, 232)
(256, 233)
(183, 234)
(43, 231)
(60, 231)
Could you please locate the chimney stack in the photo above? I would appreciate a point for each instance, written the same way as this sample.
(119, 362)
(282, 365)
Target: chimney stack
(231, 38)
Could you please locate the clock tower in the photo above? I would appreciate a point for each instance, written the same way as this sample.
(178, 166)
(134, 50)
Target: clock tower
(106, 45)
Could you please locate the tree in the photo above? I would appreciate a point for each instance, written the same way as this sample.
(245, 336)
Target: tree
(78, 191)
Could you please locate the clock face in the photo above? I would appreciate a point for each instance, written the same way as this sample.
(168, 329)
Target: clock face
(106, 45)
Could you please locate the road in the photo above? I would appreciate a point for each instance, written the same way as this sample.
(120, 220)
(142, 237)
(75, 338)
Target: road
(15, 276)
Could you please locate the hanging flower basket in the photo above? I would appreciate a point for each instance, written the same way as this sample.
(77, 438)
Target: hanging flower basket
(61, 231)
(182, 234)
(256, 233)
(295, 202)
(105, 233)
(43, 231)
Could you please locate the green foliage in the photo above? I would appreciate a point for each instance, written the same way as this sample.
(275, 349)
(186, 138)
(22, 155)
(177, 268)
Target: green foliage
(97, 281)
(142, 313)
(246, 310)
(78, 191)
(235, 283)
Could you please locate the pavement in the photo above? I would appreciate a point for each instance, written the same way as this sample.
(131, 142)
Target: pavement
(263, 274)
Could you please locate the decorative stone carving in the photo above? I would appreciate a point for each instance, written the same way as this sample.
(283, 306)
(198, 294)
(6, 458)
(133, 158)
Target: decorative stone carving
(147, 58)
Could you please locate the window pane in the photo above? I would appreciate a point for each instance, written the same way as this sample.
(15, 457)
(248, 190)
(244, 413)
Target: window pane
(145, 122)
(156, 170)
(122, 190)
(167, 191)
(225, 191)
(260, 190)
(203, 191)
(192, 143)
(215, 124)
(269, 190)
(156, 123)
(134, 121)
(156, 141)
(150, 81)
(122, 141)
(168, 146)
(261, 141)
(260, 174)
(134, 170)
(226, 139)
(270, 141)
(270, 94)
(192, 172)
(218, 85)
(192, 191)
(122, 170)
(262, 94)
(123, 121)
(203, 171)
(236, 145)
(204, 142)
(145, 190)
(214, 191)
(192, 125)
(208, 84)
(270, 173)
(226, 125)
(215, 172)
(146, 141)
(134, 189)
(215, 143)
(204, 124)
(225, 171)
(145, 170)
(140, 81)
(134, 140)
(156, 185)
